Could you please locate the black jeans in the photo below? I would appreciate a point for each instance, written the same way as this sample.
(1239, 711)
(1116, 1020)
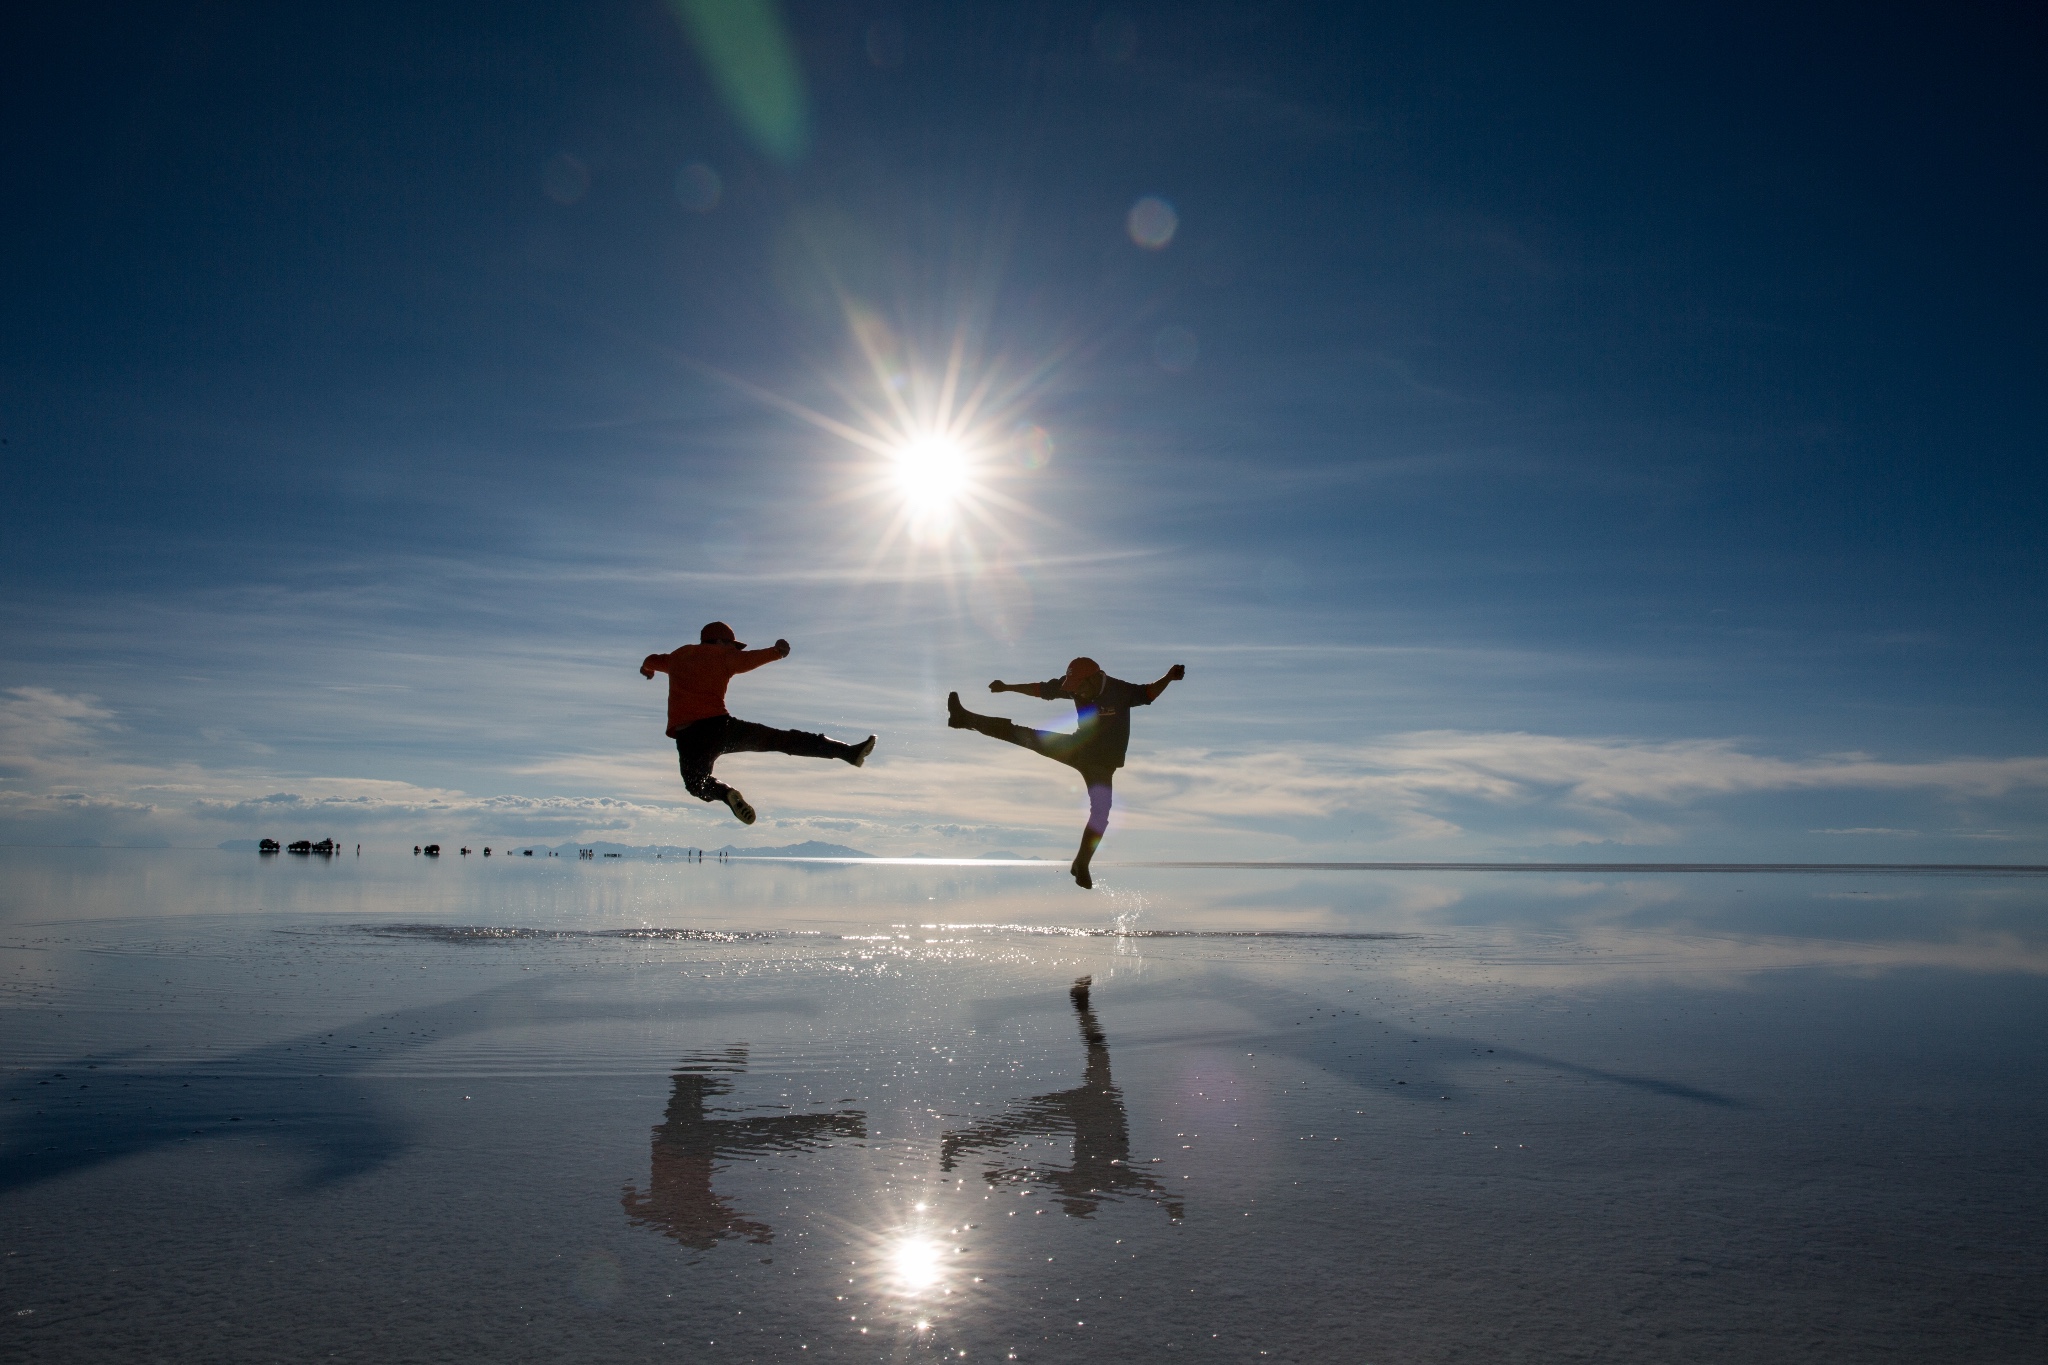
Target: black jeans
(698, 746)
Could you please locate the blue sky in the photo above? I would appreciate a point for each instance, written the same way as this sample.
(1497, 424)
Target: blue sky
(1581, 431)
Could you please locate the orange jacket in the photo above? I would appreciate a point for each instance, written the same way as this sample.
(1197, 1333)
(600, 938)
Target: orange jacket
(697, 675)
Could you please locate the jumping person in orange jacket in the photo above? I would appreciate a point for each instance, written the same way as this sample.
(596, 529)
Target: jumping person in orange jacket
(1095, 749)
(703, 730)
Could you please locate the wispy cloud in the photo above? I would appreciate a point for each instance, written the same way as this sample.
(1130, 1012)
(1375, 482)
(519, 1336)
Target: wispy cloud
(66, 772)
(1598, 771)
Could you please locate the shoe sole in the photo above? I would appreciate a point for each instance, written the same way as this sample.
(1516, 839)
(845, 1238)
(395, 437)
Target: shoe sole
(743, 812)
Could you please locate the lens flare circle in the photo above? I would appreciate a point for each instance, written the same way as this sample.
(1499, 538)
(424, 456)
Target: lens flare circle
(1152, 222)
(698, 187)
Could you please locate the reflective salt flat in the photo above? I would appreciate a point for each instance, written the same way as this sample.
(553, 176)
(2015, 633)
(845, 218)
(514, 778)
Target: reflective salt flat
(856, 1111)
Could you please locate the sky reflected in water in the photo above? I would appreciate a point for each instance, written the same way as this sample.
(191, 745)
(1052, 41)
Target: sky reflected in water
(825, 1111)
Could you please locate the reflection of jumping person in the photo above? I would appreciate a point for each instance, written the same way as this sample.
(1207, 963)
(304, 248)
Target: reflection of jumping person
(701, 728)
(690, 1146)
(1092, 1113)
(1096, 747)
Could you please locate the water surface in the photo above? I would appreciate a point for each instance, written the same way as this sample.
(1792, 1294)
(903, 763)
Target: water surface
(395, 1109)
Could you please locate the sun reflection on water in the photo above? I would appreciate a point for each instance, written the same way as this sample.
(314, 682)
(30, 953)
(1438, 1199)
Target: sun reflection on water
(916, 1264)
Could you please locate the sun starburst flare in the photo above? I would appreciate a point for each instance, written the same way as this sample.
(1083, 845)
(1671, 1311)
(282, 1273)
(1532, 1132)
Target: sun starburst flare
(928, 449)
(935, 443)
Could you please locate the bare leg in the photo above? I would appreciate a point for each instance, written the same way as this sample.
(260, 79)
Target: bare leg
(1097, 826)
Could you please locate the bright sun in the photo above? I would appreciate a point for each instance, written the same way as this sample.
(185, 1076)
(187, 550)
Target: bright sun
(932, 474)
(932, 447)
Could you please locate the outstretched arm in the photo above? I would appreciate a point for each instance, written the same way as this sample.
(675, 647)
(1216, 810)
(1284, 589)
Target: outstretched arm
(1174, 674)
(1028, 689)
(751, 659)
(652, 662)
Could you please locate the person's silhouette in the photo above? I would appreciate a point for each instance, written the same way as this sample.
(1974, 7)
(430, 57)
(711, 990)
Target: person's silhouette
(703, 730)
(1092, 1113)
(688, 1147)
(1096, 747)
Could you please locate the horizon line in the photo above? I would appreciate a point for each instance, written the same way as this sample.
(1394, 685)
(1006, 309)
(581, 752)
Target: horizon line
(1275, 865)
(2029, 869)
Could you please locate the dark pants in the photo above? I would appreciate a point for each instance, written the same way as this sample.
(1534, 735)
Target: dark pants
(699, 745)
(1060, 749)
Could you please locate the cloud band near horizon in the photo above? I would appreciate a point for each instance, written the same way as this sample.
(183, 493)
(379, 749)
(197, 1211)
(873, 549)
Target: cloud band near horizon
(66, 775)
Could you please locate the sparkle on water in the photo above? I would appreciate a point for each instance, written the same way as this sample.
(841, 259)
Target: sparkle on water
(819, 1117)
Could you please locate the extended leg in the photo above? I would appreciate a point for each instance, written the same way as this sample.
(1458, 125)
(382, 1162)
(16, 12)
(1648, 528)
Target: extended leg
(1051, 743)
(745, 737)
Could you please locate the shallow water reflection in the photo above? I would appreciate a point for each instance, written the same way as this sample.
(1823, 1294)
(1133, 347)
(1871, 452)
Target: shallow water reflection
(1367, 1117)
(689, 1145)
(1090, 1114)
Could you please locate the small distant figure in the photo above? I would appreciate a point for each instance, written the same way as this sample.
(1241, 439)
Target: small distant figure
(1096, 747)
(703, 730)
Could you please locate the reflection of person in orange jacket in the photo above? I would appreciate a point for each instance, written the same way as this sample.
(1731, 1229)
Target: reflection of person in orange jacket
(690, 1147)
(702, 729)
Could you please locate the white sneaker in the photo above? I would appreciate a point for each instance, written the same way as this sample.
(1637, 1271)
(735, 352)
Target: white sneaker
(739, 806)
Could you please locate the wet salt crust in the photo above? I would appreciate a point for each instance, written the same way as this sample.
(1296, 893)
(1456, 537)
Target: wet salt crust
(391, 1111)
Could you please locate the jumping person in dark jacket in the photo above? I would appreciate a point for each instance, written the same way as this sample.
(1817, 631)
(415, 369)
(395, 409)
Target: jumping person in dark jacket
(702, 729)
(1096, 747)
